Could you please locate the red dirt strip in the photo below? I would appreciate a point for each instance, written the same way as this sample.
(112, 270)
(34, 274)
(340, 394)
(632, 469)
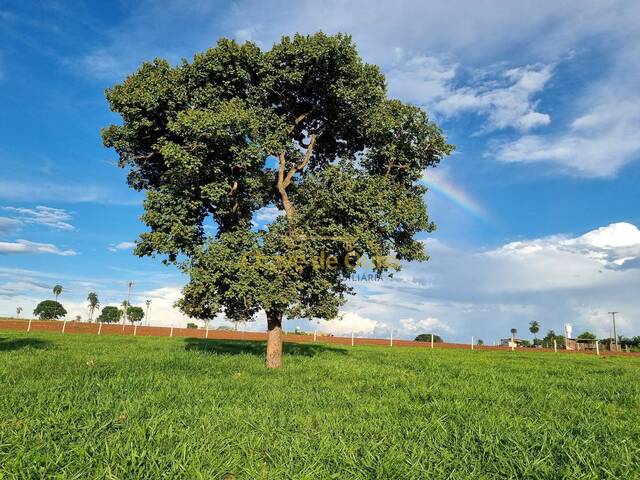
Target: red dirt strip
(143, 331)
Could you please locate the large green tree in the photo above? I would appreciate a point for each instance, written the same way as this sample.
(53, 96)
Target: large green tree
(135, 314)
(49, 310)
(110, 314)
(305, 127)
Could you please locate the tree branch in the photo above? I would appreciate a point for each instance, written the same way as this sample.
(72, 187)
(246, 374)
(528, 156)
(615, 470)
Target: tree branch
(305, 161)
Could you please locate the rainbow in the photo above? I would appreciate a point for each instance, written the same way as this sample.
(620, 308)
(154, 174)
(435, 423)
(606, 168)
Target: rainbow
(456, 195)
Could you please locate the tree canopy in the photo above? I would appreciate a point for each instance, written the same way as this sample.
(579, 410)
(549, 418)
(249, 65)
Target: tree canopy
(110, 314)
(426, 337)
(305, 128)
(135, 314)
(49, 310)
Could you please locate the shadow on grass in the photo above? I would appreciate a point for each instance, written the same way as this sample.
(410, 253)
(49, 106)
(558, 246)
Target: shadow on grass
(238, 347)
(7, 344)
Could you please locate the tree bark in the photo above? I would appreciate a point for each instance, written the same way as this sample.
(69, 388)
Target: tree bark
(274, 339)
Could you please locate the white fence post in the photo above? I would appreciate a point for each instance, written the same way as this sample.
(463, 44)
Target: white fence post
(171, 334)
(29, 326)
(135, 330)
(315, 334)
(432, 340)
(64, 325)
(391, 340)
(100, 328)
(471, 343)
(206, 333)
(555, 346)
(597, 347)
(352, 339)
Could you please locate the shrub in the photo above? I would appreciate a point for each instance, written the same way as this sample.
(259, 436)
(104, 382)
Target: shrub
(191, 325)
(426, 337)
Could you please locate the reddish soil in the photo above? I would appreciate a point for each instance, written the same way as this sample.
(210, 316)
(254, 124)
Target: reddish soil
(129, 330)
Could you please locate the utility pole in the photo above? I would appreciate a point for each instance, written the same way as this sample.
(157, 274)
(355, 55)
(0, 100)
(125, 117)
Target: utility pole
(148, 302)
(126, 308)
(615, 335)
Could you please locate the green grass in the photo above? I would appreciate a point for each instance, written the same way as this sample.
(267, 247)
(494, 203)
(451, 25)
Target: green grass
(82, 406)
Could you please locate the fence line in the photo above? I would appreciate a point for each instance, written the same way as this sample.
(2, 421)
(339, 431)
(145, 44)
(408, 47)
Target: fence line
(149, 331)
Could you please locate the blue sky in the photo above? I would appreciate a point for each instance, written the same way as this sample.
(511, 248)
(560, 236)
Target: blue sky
(537, 210)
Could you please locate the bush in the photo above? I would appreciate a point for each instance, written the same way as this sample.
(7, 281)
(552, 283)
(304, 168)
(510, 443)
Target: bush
(49, 310)
(110, 315)
(191, 325)
(426, 337)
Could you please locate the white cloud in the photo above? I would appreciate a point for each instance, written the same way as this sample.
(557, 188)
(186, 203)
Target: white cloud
(599, 142)
(114, 247)
(55, 218)
(9, 226)
(64, 192)
(506, 101)
(266, 215)
(426, 325)
(353, 322)
(25, 246)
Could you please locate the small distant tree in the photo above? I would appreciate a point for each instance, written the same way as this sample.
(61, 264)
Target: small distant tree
(57, 291)
(587, 336)
(18, 312)
(135, 314)
(513, 333)
(191, 325)
(426, 337)
(525, 343)
(94, 304)
(110, 314)
(480, 342)
(49, 310)
(548, 339)
(534, 328)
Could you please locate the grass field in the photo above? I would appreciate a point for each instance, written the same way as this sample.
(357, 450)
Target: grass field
(82, 406)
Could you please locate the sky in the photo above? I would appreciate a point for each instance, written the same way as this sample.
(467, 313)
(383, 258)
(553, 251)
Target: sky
(537, 209)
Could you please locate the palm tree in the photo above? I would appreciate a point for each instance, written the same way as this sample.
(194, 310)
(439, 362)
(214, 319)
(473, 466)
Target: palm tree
(125, 312)
(18, 311)
(513, 334)
(57, 290)
(94, 304)
(534, 327)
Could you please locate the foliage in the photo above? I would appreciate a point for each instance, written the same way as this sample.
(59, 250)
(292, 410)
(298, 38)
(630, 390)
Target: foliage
(547, 341)
(514, 331)
(135, 314)
(586, 336)
(306, 128)
(110, 314)
(94, 304)
(49, 310)
(525, 343)
(534, 327)
(480, 342)
(342, 412)
(57, 291)
(192, 325)
(426, 337)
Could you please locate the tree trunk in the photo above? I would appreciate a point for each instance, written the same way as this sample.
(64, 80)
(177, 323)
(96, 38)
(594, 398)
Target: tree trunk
(274, 340)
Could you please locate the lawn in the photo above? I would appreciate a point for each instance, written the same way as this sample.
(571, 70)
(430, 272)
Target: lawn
(83, 406)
